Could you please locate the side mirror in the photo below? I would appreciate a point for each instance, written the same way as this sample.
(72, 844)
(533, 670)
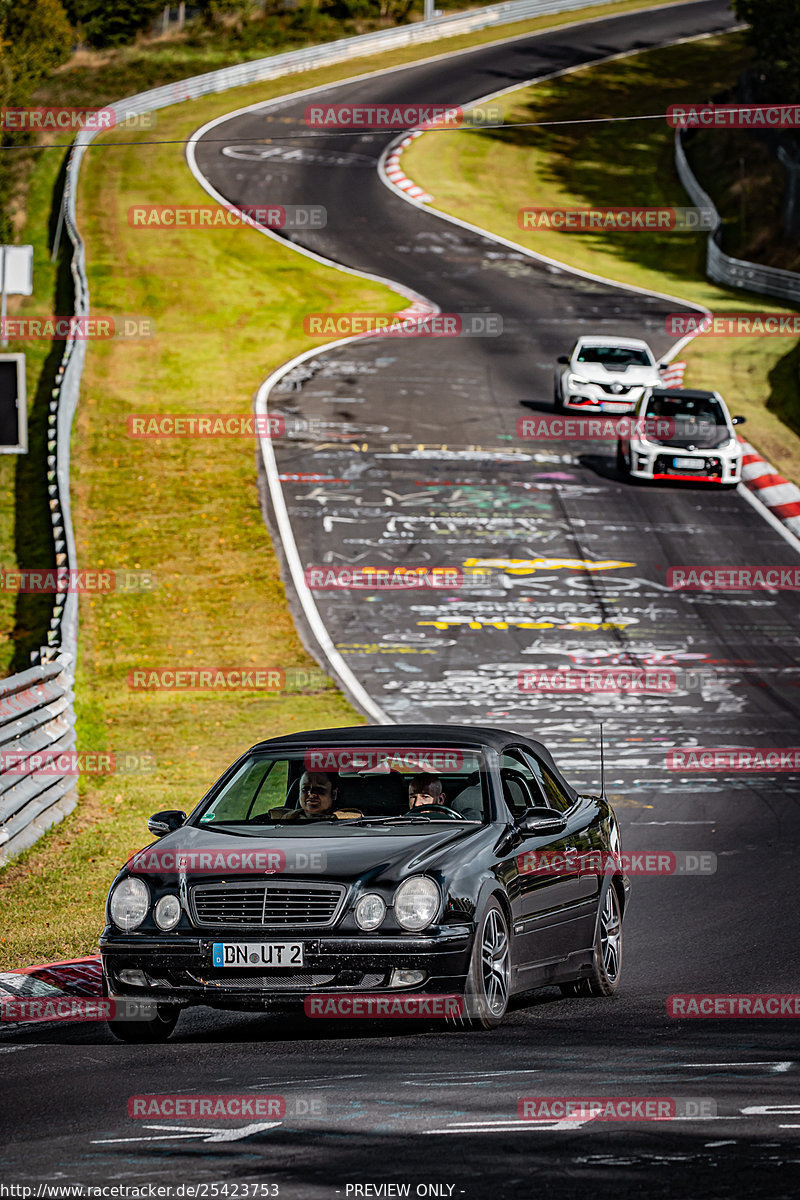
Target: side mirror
(663, 366)
(541, 822)
(166, 822)
(738, 420)
(562, 358)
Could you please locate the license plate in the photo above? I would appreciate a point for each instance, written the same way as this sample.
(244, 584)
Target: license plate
(610, 407)
(689, 464)
(257, 954)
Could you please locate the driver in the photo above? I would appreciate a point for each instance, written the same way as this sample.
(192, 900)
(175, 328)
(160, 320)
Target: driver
(425, 789)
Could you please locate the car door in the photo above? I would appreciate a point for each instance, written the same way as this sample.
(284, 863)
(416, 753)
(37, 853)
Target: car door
(553, 910)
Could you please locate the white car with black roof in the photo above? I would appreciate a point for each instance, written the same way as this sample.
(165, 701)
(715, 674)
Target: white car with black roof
(681, 434)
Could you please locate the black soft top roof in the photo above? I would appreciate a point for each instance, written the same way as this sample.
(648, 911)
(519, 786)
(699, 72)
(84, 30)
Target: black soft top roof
(683, 393)
(409, 735)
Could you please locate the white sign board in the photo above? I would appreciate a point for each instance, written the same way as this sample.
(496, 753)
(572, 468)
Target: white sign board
(18, 270)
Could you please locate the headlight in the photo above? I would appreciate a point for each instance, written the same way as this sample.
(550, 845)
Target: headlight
(416, 902)
(578, 381)
(167, 912)
(370, 911)
(130, 901)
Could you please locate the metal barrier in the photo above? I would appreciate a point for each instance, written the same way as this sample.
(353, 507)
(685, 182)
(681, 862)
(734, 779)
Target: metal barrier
(733, 272)
(28, 804)
(36, 716)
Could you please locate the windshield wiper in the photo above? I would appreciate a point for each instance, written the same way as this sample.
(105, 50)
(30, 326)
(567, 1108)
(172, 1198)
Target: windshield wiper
(402, 819)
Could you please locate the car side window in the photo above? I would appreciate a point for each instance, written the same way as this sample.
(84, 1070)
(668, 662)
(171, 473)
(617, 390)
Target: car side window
(555, 796)
(521, 788)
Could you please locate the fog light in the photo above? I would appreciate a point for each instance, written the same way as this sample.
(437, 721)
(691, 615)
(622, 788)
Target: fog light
(132, 976)
(404, 978)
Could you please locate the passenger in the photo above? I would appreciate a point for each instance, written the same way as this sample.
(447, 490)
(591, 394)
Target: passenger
(319, 794)
(319, 791)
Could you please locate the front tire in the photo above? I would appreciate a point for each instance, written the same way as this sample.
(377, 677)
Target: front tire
(607, 958)
(489, 980)
(623, 470)
(158, 1029)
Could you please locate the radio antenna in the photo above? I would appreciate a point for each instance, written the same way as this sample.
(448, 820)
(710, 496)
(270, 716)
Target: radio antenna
(602, 765)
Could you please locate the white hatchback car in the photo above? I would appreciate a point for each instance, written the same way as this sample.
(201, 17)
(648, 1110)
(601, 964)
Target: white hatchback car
(680, 433)
(604, 374)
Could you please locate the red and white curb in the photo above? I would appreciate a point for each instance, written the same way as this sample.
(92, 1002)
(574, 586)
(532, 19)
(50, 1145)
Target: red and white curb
(397, 176)
(395, 173)
(781, 497)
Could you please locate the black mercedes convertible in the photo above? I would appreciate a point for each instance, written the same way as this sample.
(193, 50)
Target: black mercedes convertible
(386, 870)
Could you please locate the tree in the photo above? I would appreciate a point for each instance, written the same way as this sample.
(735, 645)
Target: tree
(112, 22)
(774, 34)
(35, 37)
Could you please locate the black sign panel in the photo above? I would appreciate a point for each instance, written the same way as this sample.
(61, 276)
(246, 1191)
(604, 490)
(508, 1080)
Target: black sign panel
(13, 414)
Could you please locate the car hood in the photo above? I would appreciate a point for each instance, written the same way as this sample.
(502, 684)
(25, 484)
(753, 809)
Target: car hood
(628, 376)
(306, 852)
(698, 440)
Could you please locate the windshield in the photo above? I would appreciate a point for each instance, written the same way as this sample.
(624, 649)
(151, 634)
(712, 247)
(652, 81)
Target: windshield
(350, 787)
(689, 420)
(615, 356)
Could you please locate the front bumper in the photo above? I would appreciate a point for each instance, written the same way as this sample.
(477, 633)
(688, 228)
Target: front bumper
(649, 462)
(178, 970)
(593, 398)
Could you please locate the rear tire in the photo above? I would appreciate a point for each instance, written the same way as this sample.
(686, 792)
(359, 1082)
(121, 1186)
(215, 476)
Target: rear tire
(156, 1030)
(607, 958)
(489, 980)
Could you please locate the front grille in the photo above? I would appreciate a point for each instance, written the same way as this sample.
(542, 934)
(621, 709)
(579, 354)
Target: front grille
(277, 983)
(271, 905)
(663, 465)
(272, 982)
(615, 389)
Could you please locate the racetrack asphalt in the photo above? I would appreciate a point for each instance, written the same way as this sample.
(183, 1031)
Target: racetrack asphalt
(408, 1103)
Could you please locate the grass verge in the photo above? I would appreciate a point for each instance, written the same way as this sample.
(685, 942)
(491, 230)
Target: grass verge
(621, 164)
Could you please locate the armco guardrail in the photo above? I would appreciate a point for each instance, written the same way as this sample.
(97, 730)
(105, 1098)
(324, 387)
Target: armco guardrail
(35, 716)
(733, 272)
(29, 805)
